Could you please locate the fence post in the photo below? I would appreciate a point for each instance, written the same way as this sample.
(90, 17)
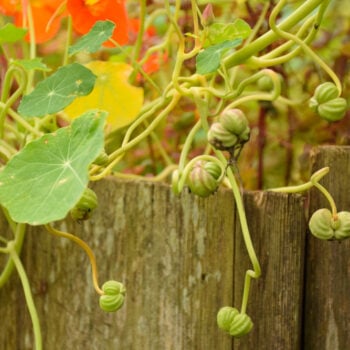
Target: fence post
(174, 254)
(327, 293)
(181, 258)
(277, 224)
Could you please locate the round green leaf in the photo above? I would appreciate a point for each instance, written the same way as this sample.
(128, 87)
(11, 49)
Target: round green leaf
(32, 64)
(219, 32)
(92, 41)
(48, 176)
(56, 92)
(208, 60)
(9, 33)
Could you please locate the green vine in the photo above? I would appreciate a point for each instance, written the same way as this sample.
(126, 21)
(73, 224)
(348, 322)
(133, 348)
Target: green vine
(12, 250)
(216, 75)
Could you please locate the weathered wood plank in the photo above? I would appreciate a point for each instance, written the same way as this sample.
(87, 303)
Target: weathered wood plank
(175, 256)
(277, 225)
(327, 301)
(180, 260)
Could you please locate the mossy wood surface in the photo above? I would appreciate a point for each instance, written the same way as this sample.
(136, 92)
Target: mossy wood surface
(181, 259)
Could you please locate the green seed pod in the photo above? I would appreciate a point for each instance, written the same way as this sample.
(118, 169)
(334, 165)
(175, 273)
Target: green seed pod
(245, 135)
(323, 226)
(85, 206)
(234, 121)
(320, 224)
(343, 231)
(225, 317)
(213, 169)
(313, 104)
(202, 179)
(326, 92)
(333, 110)
(114, 296)
(232, 321)
(327, 103)
(221, 138)
(102, 159)
(241, 325)
(231, 129)
(265, 83)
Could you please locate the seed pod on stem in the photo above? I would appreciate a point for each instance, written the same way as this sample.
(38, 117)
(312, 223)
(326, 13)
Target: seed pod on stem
(333, 110)
(203, 179)
(324, 226)
(221, 138)
(225, 317)
(102, 159)
(113, 297)
(327, 103)
(232, 321)
(85, 206)
(231, 130)
(325, 92)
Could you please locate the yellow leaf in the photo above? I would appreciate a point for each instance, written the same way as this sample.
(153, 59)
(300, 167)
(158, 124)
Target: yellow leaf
(112, 93)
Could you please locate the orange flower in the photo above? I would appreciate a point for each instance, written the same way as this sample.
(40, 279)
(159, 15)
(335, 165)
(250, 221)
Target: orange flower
(134, 28)
(42, 13)
(86, 12)
(154, 62)
(150, 37)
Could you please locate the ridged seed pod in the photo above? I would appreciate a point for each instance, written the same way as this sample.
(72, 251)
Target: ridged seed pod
(234, 121)
(265, 83)
(225, 317)
(221, 138)
(85, 206)
(323, 226)
(245, 135)
(102, 159)
(320, 224)
(114, 296)
(213, 169)
(333, 110)
(203, 178)
(343, 230)
(241, 325)
(326, 92)
(231, 129)
(232, 321)
(327, 103)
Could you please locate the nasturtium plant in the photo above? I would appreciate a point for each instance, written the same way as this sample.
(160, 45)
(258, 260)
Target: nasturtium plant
(217, 33)
(32, 64)
(112, 93)
(218, 38)
(9, 33)
(180, 90)
(57, 91)
(93, 40)
(43, 181)
(208, 60)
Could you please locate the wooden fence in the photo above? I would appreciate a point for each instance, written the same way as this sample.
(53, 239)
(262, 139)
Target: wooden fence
(181, 259)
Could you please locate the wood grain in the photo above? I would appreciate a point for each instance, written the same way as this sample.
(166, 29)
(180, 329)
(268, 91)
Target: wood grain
(277, 225)
(174, 254)
(327, 294)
